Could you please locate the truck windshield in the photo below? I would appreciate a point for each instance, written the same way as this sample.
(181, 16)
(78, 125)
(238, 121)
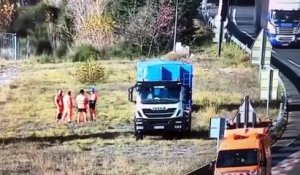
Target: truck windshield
(160, 94)
(237, 158)
(285, 16)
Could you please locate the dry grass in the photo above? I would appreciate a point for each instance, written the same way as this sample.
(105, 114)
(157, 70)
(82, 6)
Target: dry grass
(30, 102)
(27, 109)
(39, 158)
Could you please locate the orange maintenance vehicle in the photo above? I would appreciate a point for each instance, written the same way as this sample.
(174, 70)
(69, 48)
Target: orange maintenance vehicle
(246, 146)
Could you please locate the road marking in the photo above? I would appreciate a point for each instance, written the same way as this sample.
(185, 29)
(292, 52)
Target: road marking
(286, 165)
(290, 142)
(295, 64)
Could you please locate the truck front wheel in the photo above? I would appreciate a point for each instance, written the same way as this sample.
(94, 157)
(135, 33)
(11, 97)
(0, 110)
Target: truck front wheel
(189, 124)
(139, 136)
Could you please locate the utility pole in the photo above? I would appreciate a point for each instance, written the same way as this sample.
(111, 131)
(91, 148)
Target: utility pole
(175, 26)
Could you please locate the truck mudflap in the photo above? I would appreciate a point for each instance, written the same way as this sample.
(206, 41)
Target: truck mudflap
(148, 126)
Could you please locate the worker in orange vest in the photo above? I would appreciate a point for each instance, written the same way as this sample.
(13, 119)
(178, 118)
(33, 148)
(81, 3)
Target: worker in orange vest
(92, 103)
(58, 101)
(81, 103)
(68, 107)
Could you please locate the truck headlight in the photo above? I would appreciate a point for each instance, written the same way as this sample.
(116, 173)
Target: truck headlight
(271, 28)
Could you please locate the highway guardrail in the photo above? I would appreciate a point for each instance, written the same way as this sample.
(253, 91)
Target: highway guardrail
(281, 121)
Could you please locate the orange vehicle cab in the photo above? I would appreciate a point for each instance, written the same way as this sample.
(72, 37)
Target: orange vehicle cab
(244, 151)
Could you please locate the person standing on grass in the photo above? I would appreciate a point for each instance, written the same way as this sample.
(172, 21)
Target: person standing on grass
(68, 107)
(92, 103)
(81, 102)
(58, 101)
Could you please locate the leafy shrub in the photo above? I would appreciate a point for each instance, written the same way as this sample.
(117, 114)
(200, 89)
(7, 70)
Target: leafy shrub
(175, 56)
(234, 56)
(231, 55)
(124, 50)
(85, 52)
(61, 50)
(43, 47)
(91, 72)
(43, 59)
(201, 34)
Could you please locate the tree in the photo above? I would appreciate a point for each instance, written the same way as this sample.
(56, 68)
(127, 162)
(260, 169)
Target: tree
(140, 28)
(91, 23)
(187, 11)
(7, 14)
(152, 27)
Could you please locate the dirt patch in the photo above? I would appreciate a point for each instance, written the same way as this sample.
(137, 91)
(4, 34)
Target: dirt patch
(7, 74)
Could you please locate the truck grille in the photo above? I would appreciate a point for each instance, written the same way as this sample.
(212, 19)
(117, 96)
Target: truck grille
(285, 39)
(286, 31)
(159, 113)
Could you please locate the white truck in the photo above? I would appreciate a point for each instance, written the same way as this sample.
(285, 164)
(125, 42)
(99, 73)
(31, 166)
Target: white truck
(280, 18)
(163, 97)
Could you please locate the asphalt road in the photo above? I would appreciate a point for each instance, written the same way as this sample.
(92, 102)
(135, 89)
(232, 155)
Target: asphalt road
(286, 152)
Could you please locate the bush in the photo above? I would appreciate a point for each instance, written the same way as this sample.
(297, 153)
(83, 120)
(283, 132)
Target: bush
(234, 56)
(43, 59)
(231, 55)
(61, 50)
(91, 72)
(85, 52)
(43, 47)
(201, 34)
(124, 50)
(175, 56)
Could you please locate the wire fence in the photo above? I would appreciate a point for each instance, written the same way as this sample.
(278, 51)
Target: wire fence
(9, 46)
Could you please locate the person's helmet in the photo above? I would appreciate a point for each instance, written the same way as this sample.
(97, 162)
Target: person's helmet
(92, 90)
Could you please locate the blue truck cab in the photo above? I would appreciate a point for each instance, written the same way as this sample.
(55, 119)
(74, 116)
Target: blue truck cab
(163, 97)
(280, 18)
(283, 28)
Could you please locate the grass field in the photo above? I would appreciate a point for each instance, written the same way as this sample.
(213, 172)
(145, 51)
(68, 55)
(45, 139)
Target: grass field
(33, 143)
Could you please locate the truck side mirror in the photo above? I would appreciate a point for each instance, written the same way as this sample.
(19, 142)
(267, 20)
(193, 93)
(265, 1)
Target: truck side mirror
(130, 94)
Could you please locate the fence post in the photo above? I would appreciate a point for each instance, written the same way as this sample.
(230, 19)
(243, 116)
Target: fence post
(15, 45)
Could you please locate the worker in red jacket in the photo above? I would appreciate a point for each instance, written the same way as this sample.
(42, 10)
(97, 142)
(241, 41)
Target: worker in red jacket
(68, 107)
(58, 101)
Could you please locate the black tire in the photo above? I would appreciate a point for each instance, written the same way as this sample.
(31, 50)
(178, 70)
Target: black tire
(139, 136)
(189, 124)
